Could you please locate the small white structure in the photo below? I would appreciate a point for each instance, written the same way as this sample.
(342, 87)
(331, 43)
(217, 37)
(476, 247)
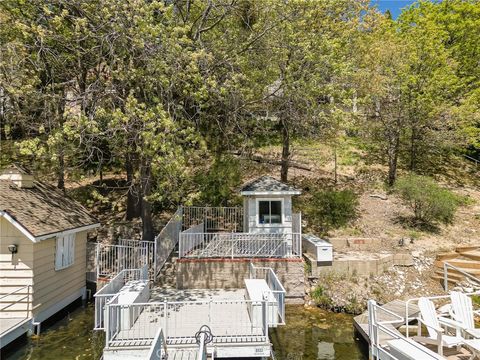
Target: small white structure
(321, 250)
(268, 206)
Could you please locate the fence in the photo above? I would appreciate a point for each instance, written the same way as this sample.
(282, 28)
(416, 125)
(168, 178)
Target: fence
(105, 294)
(167, 240)
(234, 245)
(16, 301)
(229, 320)
(215, 219)
(274, 285)
(468, 276)
(112, 259)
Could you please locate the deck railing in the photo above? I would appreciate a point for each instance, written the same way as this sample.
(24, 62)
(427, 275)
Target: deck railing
(468, 276)
(275, 286)
(17, 301)
(137, 324)
(167, 240)
(238, 245)
(215, 218)
(109, 291)
(112, 259)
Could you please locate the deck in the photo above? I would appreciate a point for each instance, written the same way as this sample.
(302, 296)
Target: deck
(13, 328)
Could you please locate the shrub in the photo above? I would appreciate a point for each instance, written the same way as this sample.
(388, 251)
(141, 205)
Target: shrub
(321, 298)
(329, 209)
(430, 203)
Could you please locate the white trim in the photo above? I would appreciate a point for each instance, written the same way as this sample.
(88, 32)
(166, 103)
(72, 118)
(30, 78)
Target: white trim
(60, 305)
(269, 193)
(36, 239)
(257, 212)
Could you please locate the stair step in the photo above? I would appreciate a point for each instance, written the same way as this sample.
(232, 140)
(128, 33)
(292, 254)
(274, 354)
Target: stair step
(474, 255)
(460, 263)
(441, 279)
(447, 256)
(462, 249)
(451, 274)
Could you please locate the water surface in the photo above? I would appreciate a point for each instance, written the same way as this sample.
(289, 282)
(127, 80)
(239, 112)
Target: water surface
(316, 334)
(309, 334)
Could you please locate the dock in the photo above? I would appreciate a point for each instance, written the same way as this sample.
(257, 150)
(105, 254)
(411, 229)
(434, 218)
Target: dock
(396, 306)
(12, 328)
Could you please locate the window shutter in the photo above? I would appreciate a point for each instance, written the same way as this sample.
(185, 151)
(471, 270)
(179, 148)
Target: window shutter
(71, 248)
(59, 253)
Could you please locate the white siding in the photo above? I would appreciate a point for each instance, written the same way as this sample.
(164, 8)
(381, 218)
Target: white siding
(250, 204)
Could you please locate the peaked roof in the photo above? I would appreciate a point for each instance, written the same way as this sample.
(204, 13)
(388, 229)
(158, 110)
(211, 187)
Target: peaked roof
(42, 211)
(267, 185)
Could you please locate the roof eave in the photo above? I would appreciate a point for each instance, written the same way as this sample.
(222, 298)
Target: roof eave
(267, 193)
(39, 238)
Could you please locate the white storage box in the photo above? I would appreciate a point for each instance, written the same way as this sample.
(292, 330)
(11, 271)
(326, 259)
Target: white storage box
(320, 249)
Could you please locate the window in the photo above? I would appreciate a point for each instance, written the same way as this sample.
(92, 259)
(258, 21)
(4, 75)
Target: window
(64, 253)
(270, 212)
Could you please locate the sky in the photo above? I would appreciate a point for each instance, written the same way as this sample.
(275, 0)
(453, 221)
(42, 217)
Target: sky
(395, 6)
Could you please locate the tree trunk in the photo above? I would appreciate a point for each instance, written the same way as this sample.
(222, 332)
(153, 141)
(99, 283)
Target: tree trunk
(393, 159)
(61, 169)
(133, 200)
(146, 214)
(413, 149)
(285, 151)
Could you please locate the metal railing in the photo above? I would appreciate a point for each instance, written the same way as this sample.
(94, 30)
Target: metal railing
(158, 350)
(447, 265)
(215, 218)
(167, 240)
(275, 287)
(378, 330)
(237, 245)
(137, 324)
(17, 301)
(109, 291)
(111, 259)
(476, 161)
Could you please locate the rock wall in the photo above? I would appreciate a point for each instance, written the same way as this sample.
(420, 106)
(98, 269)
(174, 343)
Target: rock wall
(230, 274)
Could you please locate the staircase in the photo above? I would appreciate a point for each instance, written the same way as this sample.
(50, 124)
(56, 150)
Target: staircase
(167, 278)
(465, 259)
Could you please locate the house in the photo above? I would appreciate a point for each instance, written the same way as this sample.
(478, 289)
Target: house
(43, 238)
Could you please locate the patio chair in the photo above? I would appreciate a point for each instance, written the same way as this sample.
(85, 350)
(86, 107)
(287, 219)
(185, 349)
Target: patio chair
(462, 312)
(435, 334)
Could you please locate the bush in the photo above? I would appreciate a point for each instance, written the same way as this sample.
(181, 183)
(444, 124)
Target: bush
(430, 203)
(329, 209)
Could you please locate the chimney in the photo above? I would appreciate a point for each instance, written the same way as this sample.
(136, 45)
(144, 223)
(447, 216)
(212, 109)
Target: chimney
(20, 177)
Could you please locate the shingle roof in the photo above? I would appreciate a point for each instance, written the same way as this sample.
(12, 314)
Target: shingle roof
(42, 209)
(268, 184)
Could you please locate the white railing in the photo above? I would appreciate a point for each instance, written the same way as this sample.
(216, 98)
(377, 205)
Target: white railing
(378, 330)
(215, 218)
(145, 251)
(158, 350)
(447, 266)
(109, 291)
(275, 287)
(229, 320)
(236, 245)
(195, 239)
(17, 301)
(167, 240)
(111, 259)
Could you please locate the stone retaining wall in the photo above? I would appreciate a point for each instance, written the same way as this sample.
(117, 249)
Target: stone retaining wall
(230, 274)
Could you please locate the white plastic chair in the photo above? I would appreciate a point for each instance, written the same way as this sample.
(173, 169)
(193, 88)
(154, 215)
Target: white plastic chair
(435, 332)
(462, 312)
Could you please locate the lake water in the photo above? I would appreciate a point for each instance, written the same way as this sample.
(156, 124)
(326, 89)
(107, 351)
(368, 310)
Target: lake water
(309, 334)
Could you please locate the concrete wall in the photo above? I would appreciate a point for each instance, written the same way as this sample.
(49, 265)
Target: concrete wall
(15, 272)
(52, 288)
(251, 215)
(230, 274)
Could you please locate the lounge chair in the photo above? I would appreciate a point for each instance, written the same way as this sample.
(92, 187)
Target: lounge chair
(435, 332)
(462, 312)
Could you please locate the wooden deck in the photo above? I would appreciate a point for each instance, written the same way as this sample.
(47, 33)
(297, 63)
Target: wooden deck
(13, 328)
(396, 306)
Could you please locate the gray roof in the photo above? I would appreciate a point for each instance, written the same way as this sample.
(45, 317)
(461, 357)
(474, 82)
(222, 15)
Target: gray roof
(268, 184)
(42, 209)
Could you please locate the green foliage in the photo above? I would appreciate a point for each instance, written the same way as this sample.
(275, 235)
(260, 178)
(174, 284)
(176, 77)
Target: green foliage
(430, 203)
(329, 209)
(219, 183)
(321, 298)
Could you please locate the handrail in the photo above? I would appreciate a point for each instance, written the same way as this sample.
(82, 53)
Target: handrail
(154, 350)
(476, 161)
(447, 265)
(26, 296)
